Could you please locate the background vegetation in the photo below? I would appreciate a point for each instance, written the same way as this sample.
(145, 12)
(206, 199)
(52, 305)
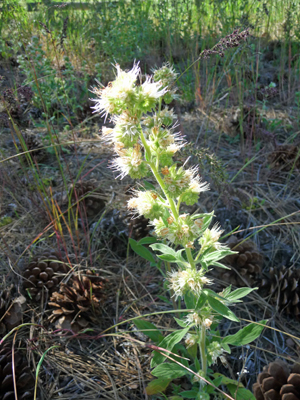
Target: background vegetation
(239, 111)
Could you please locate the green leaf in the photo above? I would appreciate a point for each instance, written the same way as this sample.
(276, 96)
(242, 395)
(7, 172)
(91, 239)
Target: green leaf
(157, 386)
(149, 186)
(227, 381)
(201, 301)
(217, 264)
(202, 396)
(168, 343)
(169, 371)
(245, 335)
(148, 329)
(239, 293)
(217, 255)
(163, 249)
(190, 394)
(222, 309)
(147, 240)
(180, 322)
(240, 393)
(167, 257)
(141, 251)
(190, 300)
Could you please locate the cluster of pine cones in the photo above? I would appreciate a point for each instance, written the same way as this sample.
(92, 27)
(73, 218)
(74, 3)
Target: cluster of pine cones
(280, 286)
(73, 304)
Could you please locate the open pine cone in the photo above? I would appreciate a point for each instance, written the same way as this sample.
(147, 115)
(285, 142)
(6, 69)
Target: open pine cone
(33, 143)
(78, 302)
(284, 287)
(247, 262)
(23, 377)
(11, 310)
(42, 273)
(285, 157)
(278, 382)
(94, 197)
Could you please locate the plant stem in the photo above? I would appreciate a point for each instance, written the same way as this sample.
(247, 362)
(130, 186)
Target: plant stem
(163, 187)
(202, 351)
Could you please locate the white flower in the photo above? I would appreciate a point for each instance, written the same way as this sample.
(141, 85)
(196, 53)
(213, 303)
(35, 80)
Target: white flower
(193, 318)
(152, 90)
(215, 350)
(113, 98)
(191, 340)
(190, 279)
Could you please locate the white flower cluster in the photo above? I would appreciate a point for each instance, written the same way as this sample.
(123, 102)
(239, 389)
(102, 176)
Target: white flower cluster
(187, 280)
(215, 350)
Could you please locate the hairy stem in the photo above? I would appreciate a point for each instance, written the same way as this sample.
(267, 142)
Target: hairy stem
(202, 351)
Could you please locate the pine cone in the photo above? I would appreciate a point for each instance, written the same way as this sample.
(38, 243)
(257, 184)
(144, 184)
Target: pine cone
(33, 143)
(23, 377)
(285, 157)
(77, 300)
(138, 228)
(11, 311)
(278, 382)
(94, 197)
(42, 273)
(247, 262)
(283, 286)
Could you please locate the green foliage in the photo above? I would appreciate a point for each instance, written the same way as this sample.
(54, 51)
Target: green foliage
(56, 91)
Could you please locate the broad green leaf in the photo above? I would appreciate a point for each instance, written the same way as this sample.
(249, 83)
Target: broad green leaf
(216, 255)
(245, 335)
(141, 251)
(217, 264)
(193, 350)
(227, 381)
(147, 240)
(190, 394)
(226, 348)
(169, 371)
(148, 329)
(190, 300)
(149, 186)
(168, 343)
(239, 293)
(163, 249)
(180, 322)
(201, 301)
(240, 393)
(165, 299)
(167, 257)
(157, 386)
(222, 309)
(202, 396)
(179, 255)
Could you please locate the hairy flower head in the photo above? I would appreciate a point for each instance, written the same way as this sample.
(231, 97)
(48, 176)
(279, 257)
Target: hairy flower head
(191, 340)
(126, 129)
(215, 350)
(147, 203)
(148, 94)
(188, 280)
(182, 231)
(119, 94)
(210, 238)
(131, 163)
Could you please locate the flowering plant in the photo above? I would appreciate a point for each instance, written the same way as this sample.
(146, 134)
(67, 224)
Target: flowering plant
(145, 143)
